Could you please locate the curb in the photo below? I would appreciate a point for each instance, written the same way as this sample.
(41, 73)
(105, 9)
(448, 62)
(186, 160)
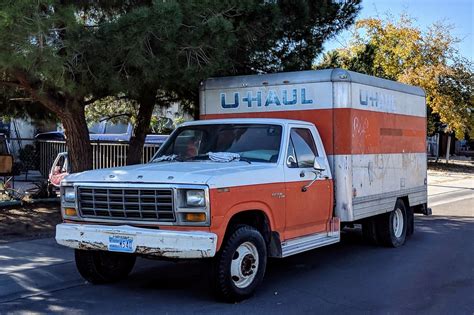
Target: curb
(5, 204)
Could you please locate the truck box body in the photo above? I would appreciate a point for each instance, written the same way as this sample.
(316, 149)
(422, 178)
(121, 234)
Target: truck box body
(373, 130)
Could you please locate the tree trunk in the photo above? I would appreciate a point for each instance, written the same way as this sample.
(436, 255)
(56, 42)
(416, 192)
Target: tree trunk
(71, 113)
(142, 127)
(77, 137)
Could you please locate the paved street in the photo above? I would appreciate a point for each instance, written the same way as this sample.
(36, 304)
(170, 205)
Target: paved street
(432, 274)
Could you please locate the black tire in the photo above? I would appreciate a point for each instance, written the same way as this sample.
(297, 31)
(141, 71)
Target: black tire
(386, 233)
(100, 267)
(234, 289)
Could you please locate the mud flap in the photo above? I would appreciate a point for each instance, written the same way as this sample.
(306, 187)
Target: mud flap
(423, 209)
(410, 221)
(334, 226)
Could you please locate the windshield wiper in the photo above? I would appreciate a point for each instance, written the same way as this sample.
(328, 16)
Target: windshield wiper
(245, 160)
(167, 158)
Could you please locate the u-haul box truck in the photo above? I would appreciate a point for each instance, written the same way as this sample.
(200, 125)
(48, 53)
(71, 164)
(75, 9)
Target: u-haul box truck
(277, 165)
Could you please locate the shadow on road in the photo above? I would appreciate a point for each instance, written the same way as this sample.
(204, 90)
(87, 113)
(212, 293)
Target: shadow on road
(349, 276)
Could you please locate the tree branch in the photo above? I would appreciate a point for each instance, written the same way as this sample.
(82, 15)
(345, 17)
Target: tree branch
(47, 100)
(10, 83)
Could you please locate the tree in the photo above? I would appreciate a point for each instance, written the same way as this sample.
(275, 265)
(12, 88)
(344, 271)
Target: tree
(67, 54)
(159, 52)
(398, 50)
(39, 59)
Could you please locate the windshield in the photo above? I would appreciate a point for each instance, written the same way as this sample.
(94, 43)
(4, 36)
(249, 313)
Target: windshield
(252, 142)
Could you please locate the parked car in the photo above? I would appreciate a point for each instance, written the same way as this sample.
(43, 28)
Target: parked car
(109, 129)
(59, 170)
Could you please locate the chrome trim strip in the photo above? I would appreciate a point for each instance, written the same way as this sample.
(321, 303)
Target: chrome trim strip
(397, 193)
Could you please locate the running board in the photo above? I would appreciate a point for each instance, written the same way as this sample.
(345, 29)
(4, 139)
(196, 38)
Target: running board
(305, 243)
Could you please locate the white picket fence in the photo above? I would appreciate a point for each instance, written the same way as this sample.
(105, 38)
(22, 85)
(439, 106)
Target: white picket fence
(104, 154)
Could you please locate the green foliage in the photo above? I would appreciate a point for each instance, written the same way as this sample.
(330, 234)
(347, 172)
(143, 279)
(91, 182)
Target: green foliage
(102, 48)
(111, 106)
(398, 50)
(33, 39)
(64, 55)
(172, 45)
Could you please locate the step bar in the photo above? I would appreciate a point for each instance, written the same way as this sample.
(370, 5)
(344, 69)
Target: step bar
(309, 242)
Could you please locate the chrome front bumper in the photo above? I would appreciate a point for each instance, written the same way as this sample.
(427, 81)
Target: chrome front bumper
(164, 243)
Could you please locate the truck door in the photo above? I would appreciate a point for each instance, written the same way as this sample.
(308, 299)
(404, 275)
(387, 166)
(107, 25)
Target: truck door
(307, 212)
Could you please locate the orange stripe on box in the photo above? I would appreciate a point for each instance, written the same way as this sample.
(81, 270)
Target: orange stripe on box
(353, 131)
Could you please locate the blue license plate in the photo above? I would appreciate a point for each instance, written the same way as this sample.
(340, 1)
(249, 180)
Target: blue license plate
(120, 243)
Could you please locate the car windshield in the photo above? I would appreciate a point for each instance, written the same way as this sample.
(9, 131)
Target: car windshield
(251, 142)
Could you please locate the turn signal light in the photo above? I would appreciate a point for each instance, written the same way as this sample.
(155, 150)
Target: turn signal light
(195, 217)
(70, 212)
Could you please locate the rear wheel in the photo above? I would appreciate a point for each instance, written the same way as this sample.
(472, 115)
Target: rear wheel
(392, 226)
(99, 267)
(240, 266)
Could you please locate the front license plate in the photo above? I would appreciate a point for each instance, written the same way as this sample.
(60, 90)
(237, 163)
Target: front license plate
(120, 243)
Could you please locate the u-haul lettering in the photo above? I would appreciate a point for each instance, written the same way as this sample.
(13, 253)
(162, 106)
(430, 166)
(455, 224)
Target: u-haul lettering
(267, 98)
(270, 97)
(377, 99)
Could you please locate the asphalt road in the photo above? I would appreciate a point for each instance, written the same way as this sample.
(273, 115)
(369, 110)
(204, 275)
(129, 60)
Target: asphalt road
(432, 274)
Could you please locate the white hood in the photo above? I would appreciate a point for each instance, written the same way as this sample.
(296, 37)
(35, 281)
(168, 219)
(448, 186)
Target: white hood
(196, 172)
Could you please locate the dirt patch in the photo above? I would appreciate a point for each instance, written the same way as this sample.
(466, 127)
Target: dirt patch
(467, 168)
(29, 221)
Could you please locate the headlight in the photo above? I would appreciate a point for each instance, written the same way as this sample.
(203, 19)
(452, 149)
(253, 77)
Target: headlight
(69, 194)
(195, 198)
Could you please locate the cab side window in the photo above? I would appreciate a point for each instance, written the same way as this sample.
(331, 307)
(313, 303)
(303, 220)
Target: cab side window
(302, 148)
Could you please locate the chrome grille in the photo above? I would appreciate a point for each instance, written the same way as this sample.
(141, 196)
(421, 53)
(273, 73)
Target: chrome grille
(138, 204)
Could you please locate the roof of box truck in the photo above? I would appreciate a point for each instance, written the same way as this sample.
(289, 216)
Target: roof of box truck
(270, 121)
(297, 77)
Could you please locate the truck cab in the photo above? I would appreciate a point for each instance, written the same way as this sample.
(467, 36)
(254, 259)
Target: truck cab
(253, 179)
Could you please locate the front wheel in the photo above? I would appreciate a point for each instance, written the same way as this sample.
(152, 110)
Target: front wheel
(100, 267)
(240, 266)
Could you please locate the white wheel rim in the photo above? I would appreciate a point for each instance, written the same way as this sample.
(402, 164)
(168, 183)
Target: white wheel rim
(397, 223)
(244, 265)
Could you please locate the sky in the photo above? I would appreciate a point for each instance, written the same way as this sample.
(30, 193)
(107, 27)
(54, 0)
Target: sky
(458, 13)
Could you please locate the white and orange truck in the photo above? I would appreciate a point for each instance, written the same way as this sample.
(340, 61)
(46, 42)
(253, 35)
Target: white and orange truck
(276, 166)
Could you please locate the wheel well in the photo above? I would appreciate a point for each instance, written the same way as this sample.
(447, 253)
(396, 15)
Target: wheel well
(405, 201)
(259, 220)
(255, 218)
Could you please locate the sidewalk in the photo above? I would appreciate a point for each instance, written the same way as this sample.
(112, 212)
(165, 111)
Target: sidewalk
(448, 187)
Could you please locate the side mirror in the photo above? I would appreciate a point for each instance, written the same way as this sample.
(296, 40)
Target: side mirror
(318, 166)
